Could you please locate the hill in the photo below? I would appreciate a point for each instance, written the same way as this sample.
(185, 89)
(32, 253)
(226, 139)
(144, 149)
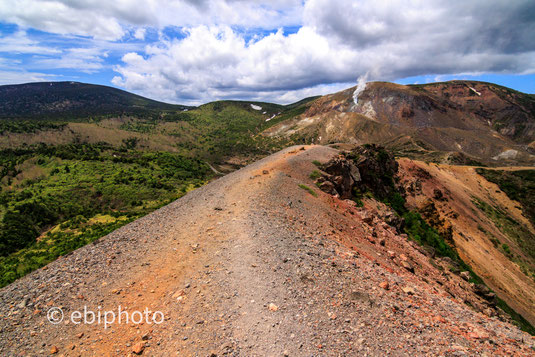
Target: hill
(458, 121)
(73, 100)
(253, 264)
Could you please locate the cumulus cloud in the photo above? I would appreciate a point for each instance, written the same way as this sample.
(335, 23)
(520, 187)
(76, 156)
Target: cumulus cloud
(105, 19)
(245, 49)
(338, 42)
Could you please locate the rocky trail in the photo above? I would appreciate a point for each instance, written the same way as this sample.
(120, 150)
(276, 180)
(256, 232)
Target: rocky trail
(254, 265)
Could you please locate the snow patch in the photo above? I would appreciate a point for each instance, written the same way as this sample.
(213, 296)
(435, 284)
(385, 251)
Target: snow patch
(273, 116)
(256, 107)
(475, 91)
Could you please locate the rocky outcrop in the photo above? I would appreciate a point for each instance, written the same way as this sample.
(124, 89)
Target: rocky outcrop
(368, 168)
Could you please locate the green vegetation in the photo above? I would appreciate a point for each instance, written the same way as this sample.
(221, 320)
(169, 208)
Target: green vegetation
(415, 226)
(25, 126)
(510, 227)
(315, 175)
(127, 157)
(517, 185)
(308, 189)
(55, 199)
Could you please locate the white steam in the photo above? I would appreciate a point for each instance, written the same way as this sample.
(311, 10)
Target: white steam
(361, 86)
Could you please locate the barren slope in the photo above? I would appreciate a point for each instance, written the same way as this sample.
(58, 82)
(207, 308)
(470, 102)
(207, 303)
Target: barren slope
(484, 121)
(474, 232)
(215, 260)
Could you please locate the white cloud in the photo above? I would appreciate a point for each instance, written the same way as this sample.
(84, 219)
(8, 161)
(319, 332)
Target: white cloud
(105, 19)
(20, 43)
(88, 60)
(227, 48)
(18, 77)
(140, 34)
(338, 42)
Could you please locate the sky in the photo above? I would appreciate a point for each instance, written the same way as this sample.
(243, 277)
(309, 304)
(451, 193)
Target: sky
(196, 51)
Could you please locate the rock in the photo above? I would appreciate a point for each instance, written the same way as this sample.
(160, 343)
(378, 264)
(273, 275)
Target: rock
(272, 307)
(23, 303)
(367, 217)
(465, 275)
(385, 285)
(478, 334)
(491, 298)
(138, 348)
(407, 266)
(481, 289)
(80, 335)
(343, 174)
(394, 220)
(429, 251)
(328, 187)
(438, 195)
(408, 290)
(391, 254)
(54, 350)
(265, 172)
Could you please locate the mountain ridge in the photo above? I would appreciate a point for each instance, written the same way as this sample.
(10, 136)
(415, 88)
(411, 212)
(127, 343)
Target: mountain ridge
(251, 264)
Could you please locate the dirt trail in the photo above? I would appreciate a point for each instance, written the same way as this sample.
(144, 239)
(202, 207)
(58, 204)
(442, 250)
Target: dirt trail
(252, 265)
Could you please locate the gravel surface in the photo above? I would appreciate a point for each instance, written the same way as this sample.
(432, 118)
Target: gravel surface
(254, 265)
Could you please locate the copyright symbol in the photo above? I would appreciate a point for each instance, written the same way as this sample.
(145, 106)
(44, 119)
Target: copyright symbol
(54, 315)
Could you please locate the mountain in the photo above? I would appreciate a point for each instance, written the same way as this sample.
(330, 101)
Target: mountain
(73, 100)
(263, 262)
(66, 180)
(438, 122)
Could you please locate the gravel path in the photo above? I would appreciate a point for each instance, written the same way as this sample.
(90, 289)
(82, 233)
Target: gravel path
(254, 265)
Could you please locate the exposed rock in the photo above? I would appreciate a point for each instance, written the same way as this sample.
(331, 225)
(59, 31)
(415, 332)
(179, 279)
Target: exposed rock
(328, 187)
(407, 266)
(385, 285)
(465, 275)
(138, 348)
(272, 307)
(366, 168)
(343, 174)
(481, 289)
(408, 290)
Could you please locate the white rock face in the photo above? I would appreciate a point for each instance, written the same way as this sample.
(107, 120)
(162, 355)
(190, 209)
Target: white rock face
(507, 154)
(256, 107)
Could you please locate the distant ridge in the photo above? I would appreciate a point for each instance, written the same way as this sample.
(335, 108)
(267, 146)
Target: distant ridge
(72, 100)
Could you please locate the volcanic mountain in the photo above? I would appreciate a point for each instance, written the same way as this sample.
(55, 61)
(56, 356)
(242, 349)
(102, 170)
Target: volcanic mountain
(457, 121)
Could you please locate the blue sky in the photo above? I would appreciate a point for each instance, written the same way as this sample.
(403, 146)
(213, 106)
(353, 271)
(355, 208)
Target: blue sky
(190, 52)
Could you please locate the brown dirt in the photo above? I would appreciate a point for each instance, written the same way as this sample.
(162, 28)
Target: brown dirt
(461, 183)
(254, 265)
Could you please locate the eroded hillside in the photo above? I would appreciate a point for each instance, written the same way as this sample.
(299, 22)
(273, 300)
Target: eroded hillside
(483, 121)
(260, 262)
